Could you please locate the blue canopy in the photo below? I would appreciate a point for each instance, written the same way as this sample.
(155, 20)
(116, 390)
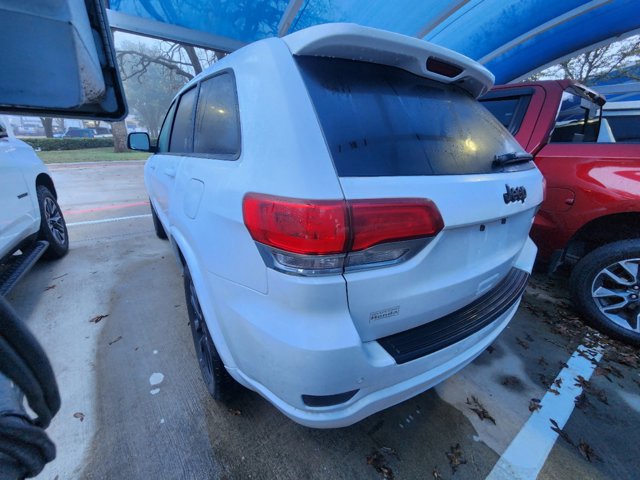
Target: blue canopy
(511, 38)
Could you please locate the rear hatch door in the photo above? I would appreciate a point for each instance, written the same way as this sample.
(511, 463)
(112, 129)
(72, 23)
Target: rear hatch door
(393, 134)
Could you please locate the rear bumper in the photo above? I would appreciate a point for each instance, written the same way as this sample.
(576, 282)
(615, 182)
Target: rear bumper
(419, 376)
(309, 346)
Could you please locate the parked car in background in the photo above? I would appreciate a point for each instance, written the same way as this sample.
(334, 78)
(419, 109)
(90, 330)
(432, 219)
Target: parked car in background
(337, 200)
(75, 132)
(102, 132)
(31, 222)
(590, 219)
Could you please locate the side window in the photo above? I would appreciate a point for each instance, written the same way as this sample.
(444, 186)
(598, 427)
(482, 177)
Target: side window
(509, 111)
(165, 131)
(182, 132)
(217, 128)
(578, 120)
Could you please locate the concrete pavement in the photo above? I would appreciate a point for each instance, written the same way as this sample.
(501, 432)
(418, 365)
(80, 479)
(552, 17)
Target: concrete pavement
(134, 406)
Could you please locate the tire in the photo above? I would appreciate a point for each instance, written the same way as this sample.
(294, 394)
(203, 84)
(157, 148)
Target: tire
(605, 287)
(53, 228)
(160, 233)
(215, 376)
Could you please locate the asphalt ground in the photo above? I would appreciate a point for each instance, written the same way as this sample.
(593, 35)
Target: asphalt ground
(112, 317)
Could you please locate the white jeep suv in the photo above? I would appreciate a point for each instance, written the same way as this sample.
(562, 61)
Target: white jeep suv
(353, 225)
(31, 222)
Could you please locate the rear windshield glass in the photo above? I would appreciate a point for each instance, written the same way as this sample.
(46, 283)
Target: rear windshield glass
(383, 121)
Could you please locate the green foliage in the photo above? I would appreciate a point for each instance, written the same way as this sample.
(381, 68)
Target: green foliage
(49, 144)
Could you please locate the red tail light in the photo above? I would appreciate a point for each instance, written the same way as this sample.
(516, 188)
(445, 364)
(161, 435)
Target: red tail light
(311, 227)
(324, 227)
(388, 220)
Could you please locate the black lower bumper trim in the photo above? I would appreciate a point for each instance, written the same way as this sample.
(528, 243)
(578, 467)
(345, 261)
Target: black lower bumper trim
(438, 334)
(328, 400)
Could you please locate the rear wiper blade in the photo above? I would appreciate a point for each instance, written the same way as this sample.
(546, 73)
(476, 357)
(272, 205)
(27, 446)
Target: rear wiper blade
(512, 157)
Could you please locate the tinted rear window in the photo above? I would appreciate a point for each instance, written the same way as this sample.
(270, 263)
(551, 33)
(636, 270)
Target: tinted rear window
(383, 121)
(217, 130)
(182, 132)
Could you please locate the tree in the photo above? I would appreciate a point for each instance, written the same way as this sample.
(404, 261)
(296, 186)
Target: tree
(153, 72)
(47, 124)
(119, 132)
(618, 60)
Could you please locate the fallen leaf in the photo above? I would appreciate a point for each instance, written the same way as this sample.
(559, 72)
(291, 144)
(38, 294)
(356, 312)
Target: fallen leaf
(116, 340)
(581, 382)
(529, 338)
(510, 380)
(436, 474)
(542, 362)
(478, 408)
(378, 461)
(98, 318)
(554, 391)
(582, 401)
(600, 394)
(49, 287)
(556, 428)
(490, 349)
(587, 452)
(522, 343)
(235, 411)
(589, 388)
(79, 416)
(558, 382)
(534, 405)
(455, 457)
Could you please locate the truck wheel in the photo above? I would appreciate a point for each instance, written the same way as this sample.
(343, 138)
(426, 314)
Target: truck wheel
(216, 378)
(605, 286)
(53, 228)
(160, 233)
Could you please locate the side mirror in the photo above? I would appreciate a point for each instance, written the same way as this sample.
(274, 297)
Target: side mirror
(139, 141)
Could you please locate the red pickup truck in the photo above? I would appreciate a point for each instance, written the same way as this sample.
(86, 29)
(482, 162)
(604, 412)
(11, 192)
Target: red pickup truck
(590, 218)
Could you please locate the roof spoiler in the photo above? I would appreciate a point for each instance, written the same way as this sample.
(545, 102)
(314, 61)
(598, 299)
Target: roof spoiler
(592, 95)
(354, 42)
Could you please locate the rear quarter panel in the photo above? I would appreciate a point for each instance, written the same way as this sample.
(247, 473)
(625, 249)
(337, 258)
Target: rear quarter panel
(584, 182)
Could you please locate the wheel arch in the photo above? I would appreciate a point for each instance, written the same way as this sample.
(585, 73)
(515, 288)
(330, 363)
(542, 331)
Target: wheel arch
(187, 258)
(46, 181)
(601, 231)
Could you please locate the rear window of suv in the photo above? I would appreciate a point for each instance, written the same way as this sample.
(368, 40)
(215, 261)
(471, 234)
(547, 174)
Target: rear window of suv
(384, 121)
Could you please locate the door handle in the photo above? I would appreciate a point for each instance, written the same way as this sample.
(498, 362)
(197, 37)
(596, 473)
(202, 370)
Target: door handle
(170, 171)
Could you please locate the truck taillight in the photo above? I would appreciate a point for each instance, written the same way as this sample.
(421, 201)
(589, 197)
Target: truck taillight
(328, 236)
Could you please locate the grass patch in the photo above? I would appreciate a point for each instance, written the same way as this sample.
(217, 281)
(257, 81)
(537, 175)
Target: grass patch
(105, 154)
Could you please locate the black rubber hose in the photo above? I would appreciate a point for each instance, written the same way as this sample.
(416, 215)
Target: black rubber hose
(15, 369)
(23, 360)
(24, 446)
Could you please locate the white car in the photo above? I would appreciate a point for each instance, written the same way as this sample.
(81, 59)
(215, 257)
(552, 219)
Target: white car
(352, 224)
(31, 222)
